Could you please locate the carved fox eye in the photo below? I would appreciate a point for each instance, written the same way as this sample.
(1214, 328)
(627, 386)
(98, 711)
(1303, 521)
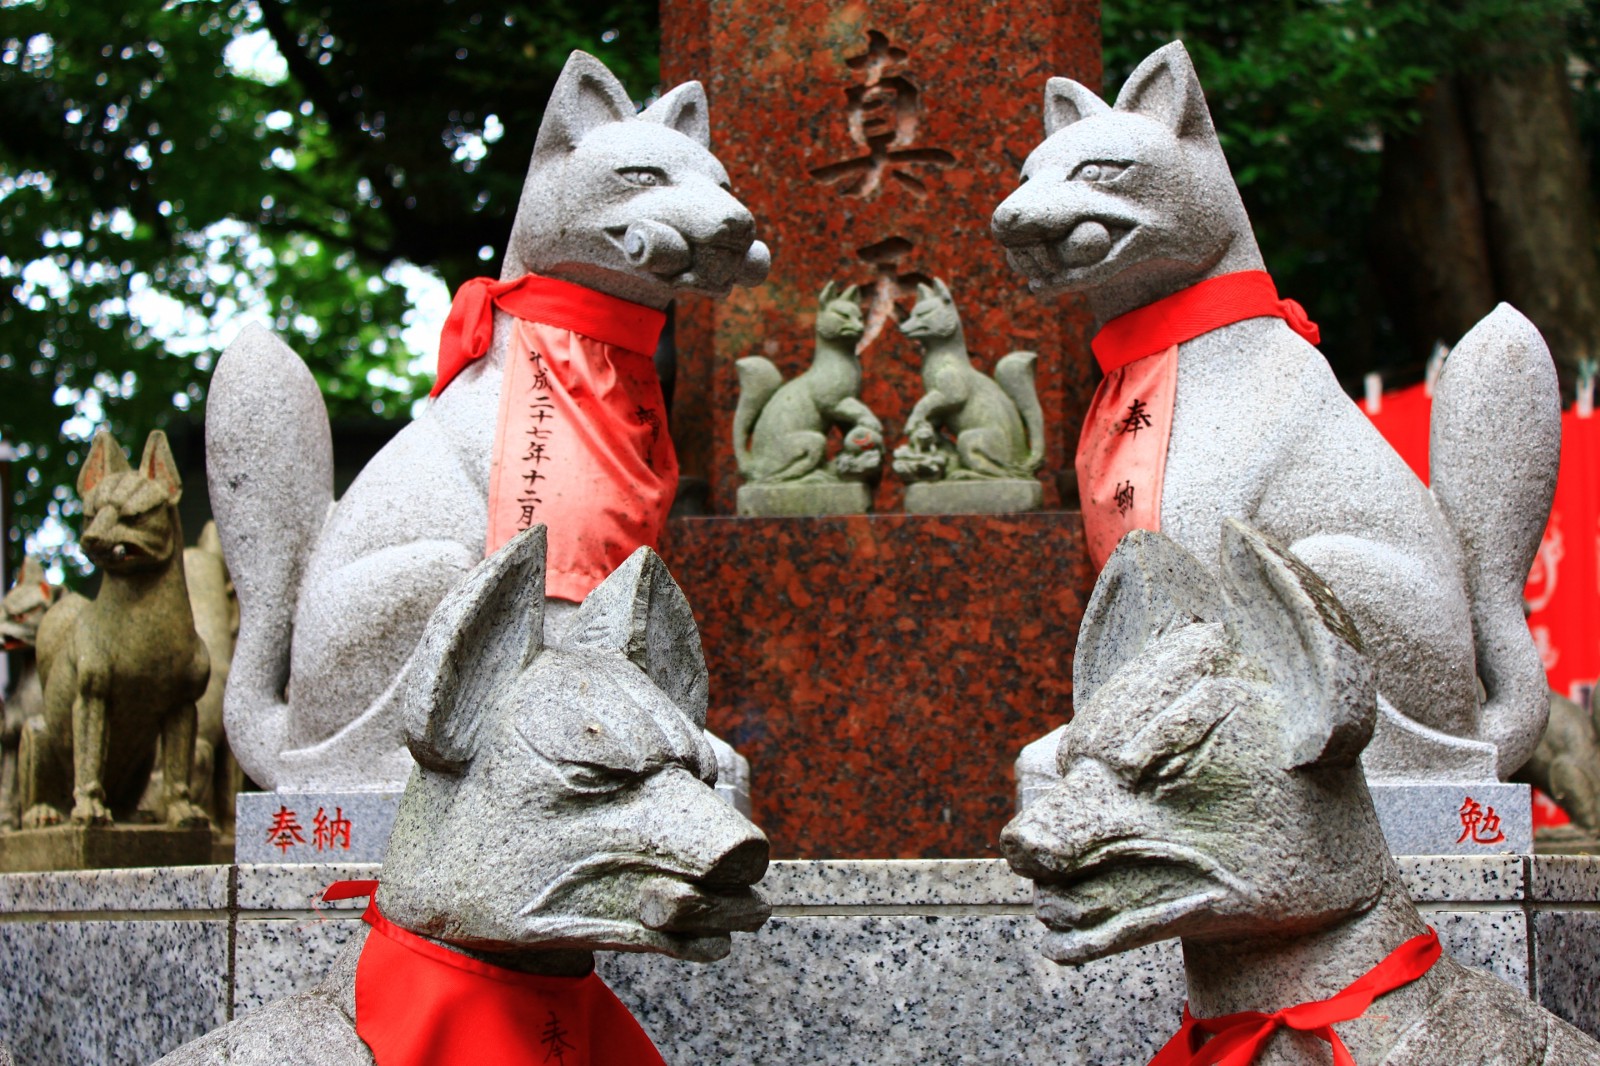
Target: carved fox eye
(595, 779)
(645, 176)
(1099, 170)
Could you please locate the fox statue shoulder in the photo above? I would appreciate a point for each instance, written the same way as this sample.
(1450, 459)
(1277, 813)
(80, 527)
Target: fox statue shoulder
(1210, 789)
(1131, 203)
(589, 755)
(333, 598)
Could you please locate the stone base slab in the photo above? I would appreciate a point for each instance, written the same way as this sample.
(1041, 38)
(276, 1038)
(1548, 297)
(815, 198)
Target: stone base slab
(1455, 818)
(289, 827)
(997, 496)
(864, 962)
(800, 498)
(103, 847)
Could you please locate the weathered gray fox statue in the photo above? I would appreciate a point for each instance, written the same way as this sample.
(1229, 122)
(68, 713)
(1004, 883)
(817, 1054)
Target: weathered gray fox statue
(1211, 789)
(780, 429)
(21, 610)
(561, 805)
(1134, 206)
(629, 210)
(124, 670)
(996, 426)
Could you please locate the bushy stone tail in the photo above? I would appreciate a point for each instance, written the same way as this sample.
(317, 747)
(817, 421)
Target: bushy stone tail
(1014, 375)
(1495, 446)
(269, 467)
(759, 380)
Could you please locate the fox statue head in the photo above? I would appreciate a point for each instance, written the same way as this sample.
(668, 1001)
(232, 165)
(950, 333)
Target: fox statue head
(934, 315)
(839, 313)
(130, 517)
(1130, 202)
(634, 205)
(563, 798)
(1211, 785)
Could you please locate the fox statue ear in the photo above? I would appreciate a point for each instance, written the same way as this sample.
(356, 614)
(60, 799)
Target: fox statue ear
(105, 458)
(586, 97)
(683, 109)
(1165, 88)
(492, 620)
(158, 465)
(850, 292)
(1066, 102)
(943, 291)
(1149, 588)
(1287, 621)
(827, 295)
(640, 611)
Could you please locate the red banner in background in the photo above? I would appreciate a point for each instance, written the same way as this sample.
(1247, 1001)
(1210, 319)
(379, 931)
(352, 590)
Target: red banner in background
(1563, 590)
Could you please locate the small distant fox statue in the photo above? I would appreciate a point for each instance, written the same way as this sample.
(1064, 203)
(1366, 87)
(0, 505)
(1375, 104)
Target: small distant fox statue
(1211, 789)
(1216, 406)
(545, 379)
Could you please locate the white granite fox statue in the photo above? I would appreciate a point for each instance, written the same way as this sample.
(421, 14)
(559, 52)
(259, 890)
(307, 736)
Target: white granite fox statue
(1211, 789)
(1134, 206)
(561, 804)
(333, 597)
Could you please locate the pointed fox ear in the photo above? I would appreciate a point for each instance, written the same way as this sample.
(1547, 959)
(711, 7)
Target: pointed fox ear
(640, 611)
(827, 295)
(943, 290)
(1066, 102)
(850, 292)
(1165, 88)
(32, 572)
(1149, 588)
(158, 465)
(683, 109)
(105, 458)
(487, 630)
(1287, 621)
(586, 96)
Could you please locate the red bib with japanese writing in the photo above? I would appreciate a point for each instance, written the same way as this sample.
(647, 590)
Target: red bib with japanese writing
(1122, 451)
(420, 1004)
(1236, 1039)
(581, 440)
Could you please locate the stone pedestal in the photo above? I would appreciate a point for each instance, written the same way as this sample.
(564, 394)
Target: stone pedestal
(880, 671)
(288, 827)
(988, 496)
(96, 847)
(1455, 818)
(794, 499)
(873, 141)
(862, 963)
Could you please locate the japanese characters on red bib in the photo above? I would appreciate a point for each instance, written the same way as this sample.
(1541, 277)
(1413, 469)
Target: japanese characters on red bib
(1236, 1039)
(581, 440)
(1122, 451)
(420, 1004)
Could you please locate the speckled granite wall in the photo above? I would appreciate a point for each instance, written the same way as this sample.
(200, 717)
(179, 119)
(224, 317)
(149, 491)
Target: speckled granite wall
(881, 672)
(873, 140)
(863, 962)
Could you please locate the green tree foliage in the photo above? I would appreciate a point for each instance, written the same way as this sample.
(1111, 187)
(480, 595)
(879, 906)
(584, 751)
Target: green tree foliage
(1304, 94)
(152, 193)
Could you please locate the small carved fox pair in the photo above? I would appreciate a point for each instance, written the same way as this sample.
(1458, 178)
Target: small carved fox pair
(995, 426)
(121, 673)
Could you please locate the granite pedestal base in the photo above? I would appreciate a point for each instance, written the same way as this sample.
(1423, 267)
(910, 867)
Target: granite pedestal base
(863, 962)
(1455, 818)
(799, 498)
(314, 826)
(997, 496)
(103, 847)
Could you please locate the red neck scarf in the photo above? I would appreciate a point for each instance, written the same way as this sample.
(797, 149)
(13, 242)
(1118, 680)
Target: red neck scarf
(1238, 1038)
(1187, 313)
(1122, 452)
(469, 328)
(420, 1004)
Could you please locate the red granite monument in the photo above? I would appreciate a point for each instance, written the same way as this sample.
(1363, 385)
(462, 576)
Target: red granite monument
(880, 672)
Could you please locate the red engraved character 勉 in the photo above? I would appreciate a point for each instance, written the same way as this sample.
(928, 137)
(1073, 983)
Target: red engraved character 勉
(1479, 824)
(284, 832)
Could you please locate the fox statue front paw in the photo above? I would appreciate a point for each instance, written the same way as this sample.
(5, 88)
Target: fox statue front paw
(182, 814)
(40, 816)
(90, 810)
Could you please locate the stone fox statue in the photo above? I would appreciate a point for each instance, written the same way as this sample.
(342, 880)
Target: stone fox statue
(1211, 790)
(124, 670)
(560, 805)
(780, 429)
(629, 210)
(21, 610)
(996, 426)
(1134, 206)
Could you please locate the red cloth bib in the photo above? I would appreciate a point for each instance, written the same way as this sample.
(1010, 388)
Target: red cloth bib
(420, 1004)
(1122, 450)
(1236, 1039)
(581, 441)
